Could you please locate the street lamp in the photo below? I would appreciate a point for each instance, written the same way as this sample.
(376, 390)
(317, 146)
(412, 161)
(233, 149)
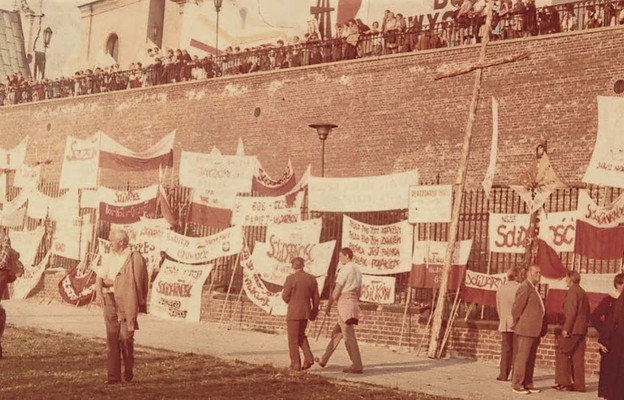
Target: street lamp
(323, 129)
(217, 4)
(47, 36)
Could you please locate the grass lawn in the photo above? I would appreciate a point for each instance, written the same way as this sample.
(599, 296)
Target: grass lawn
(49, 365)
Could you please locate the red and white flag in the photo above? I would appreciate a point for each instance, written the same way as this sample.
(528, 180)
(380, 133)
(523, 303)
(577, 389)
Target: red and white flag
(428, 261)
(115, 156)
(264, 185)
(481, 288)
(597, 286)
(127, 206)
(212, 207)
(599, 230)
(556, 234)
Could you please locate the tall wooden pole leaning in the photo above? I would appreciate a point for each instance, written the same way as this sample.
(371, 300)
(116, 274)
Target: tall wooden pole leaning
(460, 183)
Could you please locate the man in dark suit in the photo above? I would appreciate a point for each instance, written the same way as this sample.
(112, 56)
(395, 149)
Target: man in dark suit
(505, 297)
(301, 294)
(529, 325)
(570, 352)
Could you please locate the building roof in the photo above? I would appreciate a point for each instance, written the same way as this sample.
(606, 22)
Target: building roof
(12, 51)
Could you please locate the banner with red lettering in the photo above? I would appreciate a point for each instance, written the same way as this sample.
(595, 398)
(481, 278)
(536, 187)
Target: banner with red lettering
(127, 206)
(78, 286)
(71, 237)
(596, 286)
(378, 289)
(599, 230)
(368, 193)
(26, 176)
(379, 249)
(177, 291)
(264, 185)
(194, 250)
(211, 207)
(606, 166)
(80, 163)
(217, 172)
(115, 156)
(481, 288)
(428, 261)
(26, 243)
(507, 233)
(27, 282)
(430, 204)
(254, 287)
(262, 211)
(556, 234)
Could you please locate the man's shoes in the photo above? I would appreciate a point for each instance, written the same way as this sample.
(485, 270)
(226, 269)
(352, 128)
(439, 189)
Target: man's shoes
(351, 370)
(128, 378)
(498, 378)
(307, 365)
(318, 361)
(532, 390)
(520, 391)
(111, 382)
(566, 388)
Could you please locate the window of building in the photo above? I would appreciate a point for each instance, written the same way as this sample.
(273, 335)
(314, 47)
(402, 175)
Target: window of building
(112, 46)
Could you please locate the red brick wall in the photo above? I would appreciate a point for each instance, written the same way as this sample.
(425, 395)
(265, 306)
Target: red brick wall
(392, 114)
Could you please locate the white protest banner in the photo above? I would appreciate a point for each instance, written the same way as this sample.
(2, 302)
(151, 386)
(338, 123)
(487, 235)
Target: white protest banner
(26, 243)
(507, 233)
(177, 291)
(262, 211)
(194, 250)
(26, 176)
(127, 206)
(368, 193)
(428, 260)
(146, 237)
(430, 203)
(280, 308)
(558, 229)
(481, 288)
(308, 231)
(489, 174)
(606, 166)
(378, 289)
(608, 216)
(80, 163)
(215, 171)
(67, 238)
(534, 198)
(254, 287)
(56, 208)
(13, 218)
(12, 159)
(27, 282)
(379, 249)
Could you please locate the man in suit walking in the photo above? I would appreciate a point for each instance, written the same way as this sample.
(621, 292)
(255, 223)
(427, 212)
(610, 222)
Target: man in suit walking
(505, 297)
(570, 352)
(529, 325)
(301, 294)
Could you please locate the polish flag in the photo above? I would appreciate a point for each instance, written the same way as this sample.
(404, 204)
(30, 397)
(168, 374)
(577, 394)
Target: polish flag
(264, 185)
(211, 208)
(115, 156)
(481, 288)
(597, 286)
(428, 261)
(600, 230)
(556, 229)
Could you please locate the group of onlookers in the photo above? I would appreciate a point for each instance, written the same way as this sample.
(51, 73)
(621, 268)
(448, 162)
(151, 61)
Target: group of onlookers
(523, 323)
(353, 39)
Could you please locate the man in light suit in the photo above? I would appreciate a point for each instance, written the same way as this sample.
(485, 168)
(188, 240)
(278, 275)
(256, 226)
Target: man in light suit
(570, 352)
(505, 297)
(301, 294)
(529, 325)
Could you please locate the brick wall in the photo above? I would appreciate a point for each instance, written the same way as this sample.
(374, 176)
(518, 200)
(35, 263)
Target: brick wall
(392, 114)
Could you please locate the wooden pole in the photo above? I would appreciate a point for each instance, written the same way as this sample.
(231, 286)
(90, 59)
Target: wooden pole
(489, 269)
(451, 321)
(460, 183)
(240, 294)
(408, 297)
(422, 339)
(229, 289)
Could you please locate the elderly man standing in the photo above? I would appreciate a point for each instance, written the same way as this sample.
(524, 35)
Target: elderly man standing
(529, 326)
(346, 295)
(301, 294)
(121, 287)
(505, 297)
(570, 352)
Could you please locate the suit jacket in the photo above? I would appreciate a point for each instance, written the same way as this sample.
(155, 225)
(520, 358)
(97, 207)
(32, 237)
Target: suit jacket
(505, 297)
(301, 294)
(131, 286)
(528, 311)
(575, 311)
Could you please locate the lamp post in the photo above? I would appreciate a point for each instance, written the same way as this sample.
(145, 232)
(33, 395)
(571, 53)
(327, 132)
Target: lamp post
(217, 4)
(47, 36)
(323, 129)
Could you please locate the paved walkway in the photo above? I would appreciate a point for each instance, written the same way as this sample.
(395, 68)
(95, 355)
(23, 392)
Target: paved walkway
(452, 378)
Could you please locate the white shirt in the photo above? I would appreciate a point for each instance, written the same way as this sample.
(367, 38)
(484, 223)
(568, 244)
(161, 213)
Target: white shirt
(349, 277)
(538, 295)
(111, 265)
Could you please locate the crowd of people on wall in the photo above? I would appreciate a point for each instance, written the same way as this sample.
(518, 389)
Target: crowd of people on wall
(354, 39)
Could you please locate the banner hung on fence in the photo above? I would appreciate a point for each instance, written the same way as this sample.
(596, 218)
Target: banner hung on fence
(177, 291)
(26, 243)
(217, 172)
(14, 158)
(13, 218)
(508, 233)
(262, 211)
(481, 288)
(194, 250)
(599, 230)
(27, 282)
(212, 207)
(78, 286)
(378, 289)
(56, 208)
(71, 237)
(26, 176)
(280, 308)
(430, 204)
(254, 287)
(80, 163)
(596, 286)
(379, 249)
(264, 185)
(115, 156)
(606, 167)
(559, 229)
(428, 261)
(369, 193)
(127, 206)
